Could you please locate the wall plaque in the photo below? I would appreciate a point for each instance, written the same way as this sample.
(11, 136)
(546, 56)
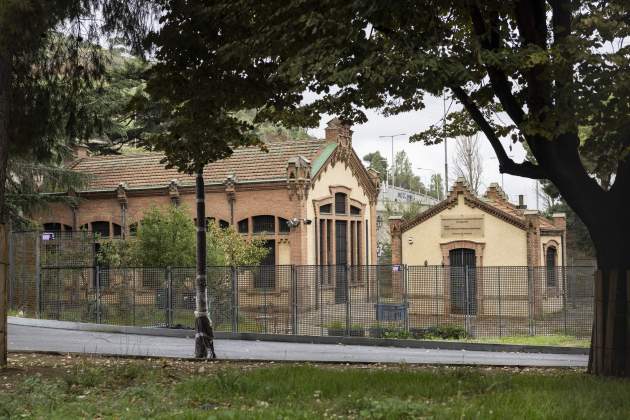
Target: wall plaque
(462, 227)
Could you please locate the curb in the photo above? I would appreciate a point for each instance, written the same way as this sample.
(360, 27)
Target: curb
(350, 341)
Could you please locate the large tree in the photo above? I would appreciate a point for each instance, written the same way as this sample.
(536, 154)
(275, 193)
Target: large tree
(523, 71)
(49, 54)
(377, 162)
(467, 161)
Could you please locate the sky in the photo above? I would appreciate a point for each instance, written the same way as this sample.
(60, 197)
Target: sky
(431, 158)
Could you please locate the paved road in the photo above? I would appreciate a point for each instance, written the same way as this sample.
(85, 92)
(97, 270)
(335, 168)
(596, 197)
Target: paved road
(28, 338)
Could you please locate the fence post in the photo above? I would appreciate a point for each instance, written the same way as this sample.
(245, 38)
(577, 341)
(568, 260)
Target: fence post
(319, 282)
(234, 286)
(38, 276)
(436, 298)
(97, 280)
(347, 293)
(499, 293)
(466, 302)
(405, 296)
(11, 270)
(169, 297)
(294, 301)
(564, 297)
(529, 300)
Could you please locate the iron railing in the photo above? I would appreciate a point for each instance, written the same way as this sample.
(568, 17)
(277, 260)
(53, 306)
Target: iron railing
(378, 301)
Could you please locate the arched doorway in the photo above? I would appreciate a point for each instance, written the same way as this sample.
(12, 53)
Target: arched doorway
(463, 281)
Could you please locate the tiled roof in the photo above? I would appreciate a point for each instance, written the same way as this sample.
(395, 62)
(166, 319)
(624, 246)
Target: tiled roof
(144, 170)
(494, 201)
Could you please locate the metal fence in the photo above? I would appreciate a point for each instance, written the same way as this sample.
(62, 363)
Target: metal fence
(377, 301)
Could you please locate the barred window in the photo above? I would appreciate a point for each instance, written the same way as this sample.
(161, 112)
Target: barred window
(243, 226)
(283, 225)
(101, 228)
(340, 203)
(264, 224)
(551, 266)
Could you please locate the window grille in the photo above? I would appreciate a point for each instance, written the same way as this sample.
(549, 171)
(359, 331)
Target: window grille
(283, 226)
(340, 203)
(551, 266)
(243, 226)
(264, 224)
(101, 228)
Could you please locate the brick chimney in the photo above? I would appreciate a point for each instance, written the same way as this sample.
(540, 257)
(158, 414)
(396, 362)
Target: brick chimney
(339, 132)
(395, 223)
(80, 151)
(495, 193)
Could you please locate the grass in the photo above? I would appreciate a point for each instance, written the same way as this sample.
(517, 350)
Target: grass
(39, 386)
(536, 340)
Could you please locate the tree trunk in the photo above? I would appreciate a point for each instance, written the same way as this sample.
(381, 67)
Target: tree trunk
(204, 336)
(5, 92)
(610, 339)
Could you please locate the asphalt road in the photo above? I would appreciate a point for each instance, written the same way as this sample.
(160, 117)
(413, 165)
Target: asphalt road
(29, 338)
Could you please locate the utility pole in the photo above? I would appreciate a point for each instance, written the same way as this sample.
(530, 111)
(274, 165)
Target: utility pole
(445, 147)
(393, 157)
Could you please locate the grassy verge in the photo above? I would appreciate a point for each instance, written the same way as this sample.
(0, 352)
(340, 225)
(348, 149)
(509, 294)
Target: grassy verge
(38, 386)
(537, 340)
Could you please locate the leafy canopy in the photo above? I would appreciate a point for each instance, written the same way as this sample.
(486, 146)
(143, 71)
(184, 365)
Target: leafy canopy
(531, 72)
(166, 238)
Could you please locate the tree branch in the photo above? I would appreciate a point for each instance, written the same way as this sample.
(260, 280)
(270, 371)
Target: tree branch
(506, 165)
(490, 40)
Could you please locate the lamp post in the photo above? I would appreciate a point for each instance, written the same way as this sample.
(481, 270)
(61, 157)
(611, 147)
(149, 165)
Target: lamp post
(391, 137)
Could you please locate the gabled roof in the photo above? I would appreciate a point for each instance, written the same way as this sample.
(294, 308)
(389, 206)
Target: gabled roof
(494, 202)
(249, 165)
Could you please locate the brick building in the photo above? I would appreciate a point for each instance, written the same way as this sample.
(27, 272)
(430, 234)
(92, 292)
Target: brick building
(477, 237)
(320, 185)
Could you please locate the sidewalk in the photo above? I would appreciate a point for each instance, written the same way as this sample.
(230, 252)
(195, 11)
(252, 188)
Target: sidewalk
(69, 337)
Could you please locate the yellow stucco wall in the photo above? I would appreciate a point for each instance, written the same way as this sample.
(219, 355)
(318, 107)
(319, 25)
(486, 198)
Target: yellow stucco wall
(338, 174)
(505, 244)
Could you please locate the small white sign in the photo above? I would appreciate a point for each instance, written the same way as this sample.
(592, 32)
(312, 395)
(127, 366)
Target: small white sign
(48, 236)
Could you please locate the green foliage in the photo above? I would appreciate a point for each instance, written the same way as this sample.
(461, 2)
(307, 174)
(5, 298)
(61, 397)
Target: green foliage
(377, 162)
(404, 176)
(436, 188)
(167, 238)
(522, 73)
(123, 388)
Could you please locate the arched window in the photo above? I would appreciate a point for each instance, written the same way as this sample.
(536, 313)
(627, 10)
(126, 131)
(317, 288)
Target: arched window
(56, 227)
(117, 230)
(551, 257)
(340, 203)
(283, 225)
(101, 228)
(243, 226)
(264, 224)
(326, 209)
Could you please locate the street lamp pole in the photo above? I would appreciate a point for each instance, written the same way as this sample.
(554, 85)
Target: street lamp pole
(392, 140)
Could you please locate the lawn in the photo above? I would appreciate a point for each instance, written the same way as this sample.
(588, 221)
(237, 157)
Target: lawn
(39, 386)
(536, 340)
